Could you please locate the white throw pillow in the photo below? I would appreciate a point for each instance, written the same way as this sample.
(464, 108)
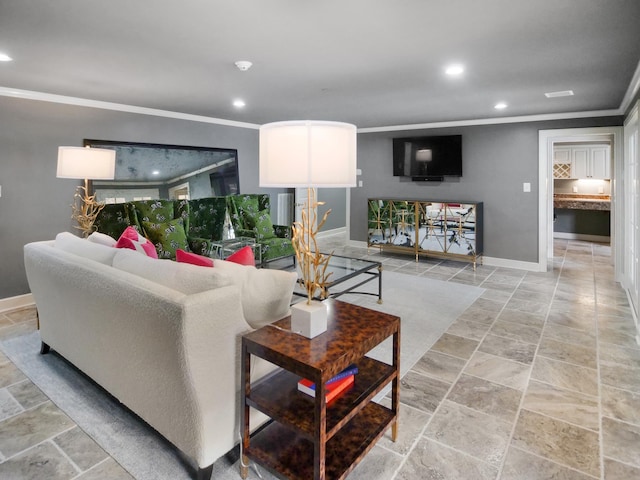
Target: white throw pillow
(102, 239)
(84, 248)
(182, 277)
(265, 294)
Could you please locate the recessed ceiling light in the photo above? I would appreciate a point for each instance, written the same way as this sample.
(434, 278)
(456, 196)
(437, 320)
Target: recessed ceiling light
(5, 58)
(238, 103)
(562, 93)
(500, 106)
(454, 69)
(243, 65)
(156, 172)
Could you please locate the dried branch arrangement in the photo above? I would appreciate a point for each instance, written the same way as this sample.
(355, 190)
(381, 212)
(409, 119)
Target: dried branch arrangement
(85, 210)
(313, 264)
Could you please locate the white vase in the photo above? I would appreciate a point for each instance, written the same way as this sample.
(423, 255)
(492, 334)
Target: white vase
(309, 320)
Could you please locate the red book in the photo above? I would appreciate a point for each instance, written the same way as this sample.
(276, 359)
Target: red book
(333, 389)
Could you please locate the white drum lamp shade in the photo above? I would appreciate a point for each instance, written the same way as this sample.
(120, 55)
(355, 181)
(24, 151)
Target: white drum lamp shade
(306, 153)
(86, 163)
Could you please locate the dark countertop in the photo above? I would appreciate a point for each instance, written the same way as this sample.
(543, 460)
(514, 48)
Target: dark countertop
(575, 201)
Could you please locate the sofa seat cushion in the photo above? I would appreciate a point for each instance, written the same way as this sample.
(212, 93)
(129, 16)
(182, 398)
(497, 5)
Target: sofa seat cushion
(182, 277)
(84, 248)
(265, 294)
(276, 247)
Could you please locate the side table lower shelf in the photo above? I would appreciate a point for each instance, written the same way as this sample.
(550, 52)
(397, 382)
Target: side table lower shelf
(283, 451)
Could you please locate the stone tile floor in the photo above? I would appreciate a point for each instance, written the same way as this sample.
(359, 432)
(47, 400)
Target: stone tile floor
(538, 379)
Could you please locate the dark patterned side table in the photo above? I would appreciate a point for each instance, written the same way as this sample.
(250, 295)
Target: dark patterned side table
(306, 438)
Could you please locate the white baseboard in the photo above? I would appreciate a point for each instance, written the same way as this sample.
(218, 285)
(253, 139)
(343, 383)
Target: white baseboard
(20, 301)
(357, 243)
(506, 263)
(332, 232)
(634, 315)
(582, 236)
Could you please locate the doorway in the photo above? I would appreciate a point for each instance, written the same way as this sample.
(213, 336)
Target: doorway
(582, 190)
(546, 142)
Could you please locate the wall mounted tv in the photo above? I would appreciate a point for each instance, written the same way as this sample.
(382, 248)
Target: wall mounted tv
(428, 158)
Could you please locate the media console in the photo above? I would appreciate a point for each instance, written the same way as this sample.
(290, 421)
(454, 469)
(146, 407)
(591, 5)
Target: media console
(425, 227)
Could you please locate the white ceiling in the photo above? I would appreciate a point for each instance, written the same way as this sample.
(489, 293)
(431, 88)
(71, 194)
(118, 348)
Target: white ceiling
(374, 63)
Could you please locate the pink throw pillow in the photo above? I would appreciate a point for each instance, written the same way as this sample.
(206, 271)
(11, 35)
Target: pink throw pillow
(193, 258)
(244, 256)
(131, 239)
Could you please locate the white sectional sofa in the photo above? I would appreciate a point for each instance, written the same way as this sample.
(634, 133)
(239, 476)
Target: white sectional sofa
(161, 337)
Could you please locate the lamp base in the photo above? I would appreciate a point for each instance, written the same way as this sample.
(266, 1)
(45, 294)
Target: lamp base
(309, 320)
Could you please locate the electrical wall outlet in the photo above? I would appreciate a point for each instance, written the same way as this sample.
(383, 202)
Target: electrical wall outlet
(526, 187)
(575, 189)
(600, 189)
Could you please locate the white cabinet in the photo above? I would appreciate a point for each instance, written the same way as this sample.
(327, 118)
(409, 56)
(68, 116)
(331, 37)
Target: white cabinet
(600, 162)
(587, 161)
(562, 162)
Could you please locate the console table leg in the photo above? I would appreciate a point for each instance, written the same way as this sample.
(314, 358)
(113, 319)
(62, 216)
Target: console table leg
(380, 285)
(244, 466)
(394, 431)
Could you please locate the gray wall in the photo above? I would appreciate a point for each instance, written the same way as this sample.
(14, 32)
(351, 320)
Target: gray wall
(35, 204)
(497, 159)
(336, 200)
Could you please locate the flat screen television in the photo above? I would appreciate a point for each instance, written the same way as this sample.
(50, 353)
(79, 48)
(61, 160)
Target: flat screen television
(428, 158)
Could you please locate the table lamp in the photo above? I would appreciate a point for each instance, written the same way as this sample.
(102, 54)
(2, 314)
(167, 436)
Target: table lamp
(88, 164)
(306, 153)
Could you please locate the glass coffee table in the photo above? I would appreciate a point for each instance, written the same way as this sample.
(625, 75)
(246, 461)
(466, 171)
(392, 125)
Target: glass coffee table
(224, 248)
(344, 269)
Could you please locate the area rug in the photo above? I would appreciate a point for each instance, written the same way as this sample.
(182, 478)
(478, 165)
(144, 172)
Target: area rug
(427, 307)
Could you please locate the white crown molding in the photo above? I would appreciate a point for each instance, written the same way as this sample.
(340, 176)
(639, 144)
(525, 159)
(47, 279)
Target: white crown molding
(495, 121)
(120, 107)
(634, 86)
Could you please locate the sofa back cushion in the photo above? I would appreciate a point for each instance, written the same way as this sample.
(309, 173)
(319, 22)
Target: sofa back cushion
(160, 211)
(207, 217)
(84, 248)
(103, 239)
(113, 219)
(182, 277)
(245, 206)
(265, 294)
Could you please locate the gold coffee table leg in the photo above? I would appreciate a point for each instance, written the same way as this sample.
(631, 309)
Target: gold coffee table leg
(244, 466)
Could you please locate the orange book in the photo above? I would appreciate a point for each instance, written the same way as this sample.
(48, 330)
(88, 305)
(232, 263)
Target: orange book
(333, 389)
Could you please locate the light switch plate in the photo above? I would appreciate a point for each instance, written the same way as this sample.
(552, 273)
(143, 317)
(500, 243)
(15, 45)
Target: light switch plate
(526, 187)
